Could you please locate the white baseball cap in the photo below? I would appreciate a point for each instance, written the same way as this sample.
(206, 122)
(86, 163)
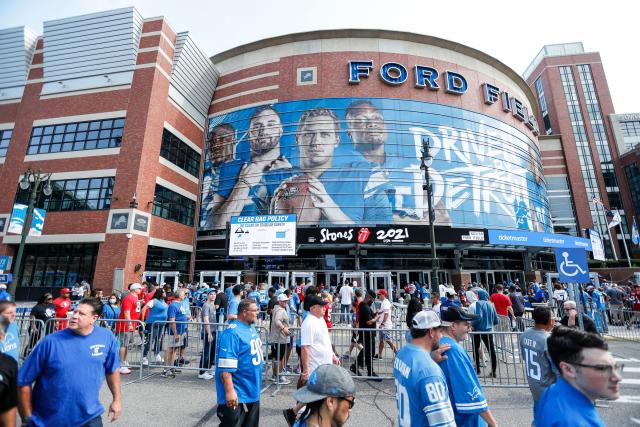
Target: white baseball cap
(135, 286)
(425, 319)
(354, 283)
(283, 297)
(3, 286)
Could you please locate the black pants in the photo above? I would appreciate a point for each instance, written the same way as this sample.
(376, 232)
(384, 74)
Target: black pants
(208, 352)
(488, 342)
(245, 415)
(365, 357)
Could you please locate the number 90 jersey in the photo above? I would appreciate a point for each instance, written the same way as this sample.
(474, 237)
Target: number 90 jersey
(240, 352)
(422, 396)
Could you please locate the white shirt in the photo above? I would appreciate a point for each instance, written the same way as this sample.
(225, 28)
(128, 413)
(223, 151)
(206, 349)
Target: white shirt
(314, 333)
(560, 294)
(385, 309)
(346, 295)
(436, 308)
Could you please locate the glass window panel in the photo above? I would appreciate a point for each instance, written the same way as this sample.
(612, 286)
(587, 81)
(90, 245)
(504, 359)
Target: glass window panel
(83, 126)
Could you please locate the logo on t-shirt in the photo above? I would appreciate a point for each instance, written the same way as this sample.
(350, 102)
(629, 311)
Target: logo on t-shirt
(475, 393)
(96, 350)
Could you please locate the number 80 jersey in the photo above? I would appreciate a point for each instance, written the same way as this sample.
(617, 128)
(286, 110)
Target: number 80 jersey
(422, 395)
(240, 353)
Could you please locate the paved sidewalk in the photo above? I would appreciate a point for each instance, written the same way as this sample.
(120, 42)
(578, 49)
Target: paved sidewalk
(189, 401)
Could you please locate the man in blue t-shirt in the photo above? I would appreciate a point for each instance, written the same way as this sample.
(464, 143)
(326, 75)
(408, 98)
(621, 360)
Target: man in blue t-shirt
(10, 345)
(422, 395)
(178, 318)
(469, 404)
(239, 362)
(66, 370)
(587, 372)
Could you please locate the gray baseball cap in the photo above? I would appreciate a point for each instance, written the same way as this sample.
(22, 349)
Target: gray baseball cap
(326, 381)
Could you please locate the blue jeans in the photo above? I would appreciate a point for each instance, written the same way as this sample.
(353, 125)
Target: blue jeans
(345, 311)
(153, 332)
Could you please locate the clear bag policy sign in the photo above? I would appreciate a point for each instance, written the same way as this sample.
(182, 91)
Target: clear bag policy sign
(262, 235)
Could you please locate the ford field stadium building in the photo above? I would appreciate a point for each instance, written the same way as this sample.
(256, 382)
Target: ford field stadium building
(163, 163)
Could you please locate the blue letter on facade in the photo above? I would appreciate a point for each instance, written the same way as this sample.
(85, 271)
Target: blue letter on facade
(359, 68)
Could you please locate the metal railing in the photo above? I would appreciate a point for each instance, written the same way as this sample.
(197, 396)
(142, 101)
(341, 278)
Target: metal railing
(30, 332)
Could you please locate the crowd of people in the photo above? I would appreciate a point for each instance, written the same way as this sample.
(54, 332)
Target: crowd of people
(437, 381)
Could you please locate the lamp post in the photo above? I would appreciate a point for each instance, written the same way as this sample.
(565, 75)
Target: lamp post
(26, 183)
(426, 162)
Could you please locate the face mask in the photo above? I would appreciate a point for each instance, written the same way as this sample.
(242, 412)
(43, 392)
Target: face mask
(112, 300)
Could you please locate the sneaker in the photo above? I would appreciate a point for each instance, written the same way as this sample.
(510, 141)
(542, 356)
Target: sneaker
(124, 370)
(274, 379)
(283, 381)
(167, 373)
(376, 357)
(125, 363)
(206, 376)
(159, 358)
(289, 416)
(145, 361)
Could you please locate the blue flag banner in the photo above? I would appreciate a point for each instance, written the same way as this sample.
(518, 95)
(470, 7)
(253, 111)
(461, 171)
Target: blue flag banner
(635, 236)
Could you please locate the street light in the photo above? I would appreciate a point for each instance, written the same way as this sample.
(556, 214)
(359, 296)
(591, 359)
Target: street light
(426, 162)
(33, 180)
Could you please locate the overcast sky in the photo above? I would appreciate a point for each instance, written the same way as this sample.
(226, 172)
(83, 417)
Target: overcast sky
(511, 31)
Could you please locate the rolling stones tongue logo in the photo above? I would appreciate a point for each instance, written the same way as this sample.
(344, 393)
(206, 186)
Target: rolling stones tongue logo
(363, 235)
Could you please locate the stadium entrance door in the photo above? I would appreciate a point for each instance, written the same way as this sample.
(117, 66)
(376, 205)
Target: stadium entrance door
(275, 278)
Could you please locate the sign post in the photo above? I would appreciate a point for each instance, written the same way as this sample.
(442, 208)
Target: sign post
(573, 268)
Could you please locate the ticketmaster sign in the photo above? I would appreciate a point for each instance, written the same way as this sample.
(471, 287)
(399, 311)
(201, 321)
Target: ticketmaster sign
(548, 240)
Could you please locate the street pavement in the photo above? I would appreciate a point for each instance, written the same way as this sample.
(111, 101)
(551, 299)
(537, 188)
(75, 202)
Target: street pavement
(189, 401)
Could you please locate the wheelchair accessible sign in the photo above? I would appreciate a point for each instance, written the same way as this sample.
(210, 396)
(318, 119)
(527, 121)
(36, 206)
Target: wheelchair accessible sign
(572, 265)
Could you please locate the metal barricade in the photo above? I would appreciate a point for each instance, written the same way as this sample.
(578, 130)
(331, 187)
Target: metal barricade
(628, 330)
(349, 345)
(30, 332)
(186, 346)
(500, 364)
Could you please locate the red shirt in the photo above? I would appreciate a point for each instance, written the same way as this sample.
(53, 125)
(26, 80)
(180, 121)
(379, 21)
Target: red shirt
(62, 308)
(130, 303)
(501, 301)
(327, 316)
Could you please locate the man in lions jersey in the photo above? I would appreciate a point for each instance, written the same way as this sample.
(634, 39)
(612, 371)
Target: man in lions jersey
(239, 369)
(422, 395)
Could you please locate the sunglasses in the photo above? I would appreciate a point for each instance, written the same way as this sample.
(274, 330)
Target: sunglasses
(351, 402)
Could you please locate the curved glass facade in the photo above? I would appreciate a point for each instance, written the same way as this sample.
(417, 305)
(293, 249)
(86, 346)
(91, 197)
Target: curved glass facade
(344, 161)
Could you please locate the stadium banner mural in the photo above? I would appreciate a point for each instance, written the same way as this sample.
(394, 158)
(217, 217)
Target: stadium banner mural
(356, 161)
